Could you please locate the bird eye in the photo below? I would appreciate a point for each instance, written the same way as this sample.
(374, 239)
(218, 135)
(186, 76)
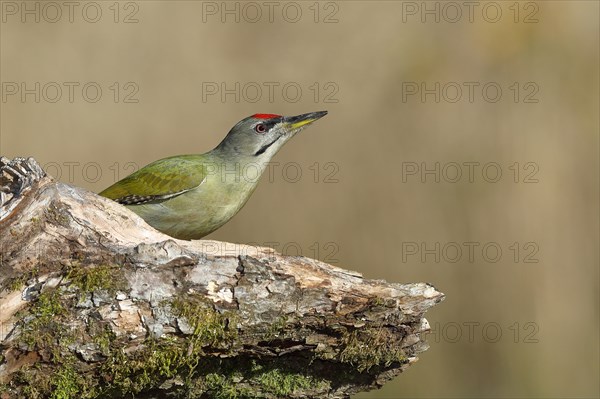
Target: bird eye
(260, 128)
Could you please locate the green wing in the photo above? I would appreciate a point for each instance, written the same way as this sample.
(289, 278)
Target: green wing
(159, 181)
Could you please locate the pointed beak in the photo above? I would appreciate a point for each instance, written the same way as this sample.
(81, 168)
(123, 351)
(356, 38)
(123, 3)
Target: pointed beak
(296, 122)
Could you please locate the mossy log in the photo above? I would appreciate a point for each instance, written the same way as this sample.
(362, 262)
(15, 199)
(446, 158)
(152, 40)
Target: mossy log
(94, 303)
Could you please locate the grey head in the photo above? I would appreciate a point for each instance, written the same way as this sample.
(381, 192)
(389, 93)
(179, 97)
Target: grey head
(260, 136)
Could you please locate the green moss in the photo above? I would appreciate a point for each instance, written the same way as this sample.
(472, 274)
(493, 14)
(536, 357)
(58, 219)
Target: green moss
(66, 384)
(371, 347)
(191, 364)
(235, 383)
(41, 327)
(44, 323)
(95, 278)
(16, 283)
(148, 368)
(48, 305)
(210, 327)
(224, 387)
(102, 335)
(33, 387)
(277, 327)
(4, 388)
(171, 357)
(284, 383)
(184, 359)
(44, 330)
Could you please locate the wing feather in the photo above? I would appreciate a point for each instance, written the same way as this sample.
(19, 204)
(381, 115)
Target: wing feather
(159, 181)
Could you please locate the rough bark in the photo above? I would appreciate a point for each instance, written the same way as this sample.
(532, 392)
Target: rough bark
(96, 303)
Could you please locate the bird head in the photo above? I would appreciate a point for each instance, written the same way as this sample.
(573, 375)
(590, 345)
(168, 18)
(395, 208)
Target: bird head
(262, 135)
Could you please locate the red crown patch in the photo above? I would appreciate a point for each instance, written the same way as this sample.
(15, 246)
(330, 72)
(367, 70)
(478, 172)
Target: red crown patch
(265, 116)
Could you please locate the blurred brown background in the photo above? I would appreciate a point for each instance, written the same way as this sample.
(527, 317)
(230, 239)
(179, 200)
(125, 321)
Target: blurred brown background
(520, 323)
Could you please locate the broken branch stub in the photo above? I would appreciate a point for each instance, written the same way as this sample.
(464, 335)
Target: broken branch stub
(96, 303)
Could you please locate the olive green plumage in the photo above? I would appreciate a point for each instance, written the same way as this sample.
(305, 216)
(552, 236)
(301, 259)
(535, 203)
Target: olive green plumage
(165, 177)
(190, 196)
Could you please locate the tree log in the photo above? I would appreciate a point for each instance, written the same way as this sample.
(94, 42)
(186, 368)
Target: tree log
(94, 303)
